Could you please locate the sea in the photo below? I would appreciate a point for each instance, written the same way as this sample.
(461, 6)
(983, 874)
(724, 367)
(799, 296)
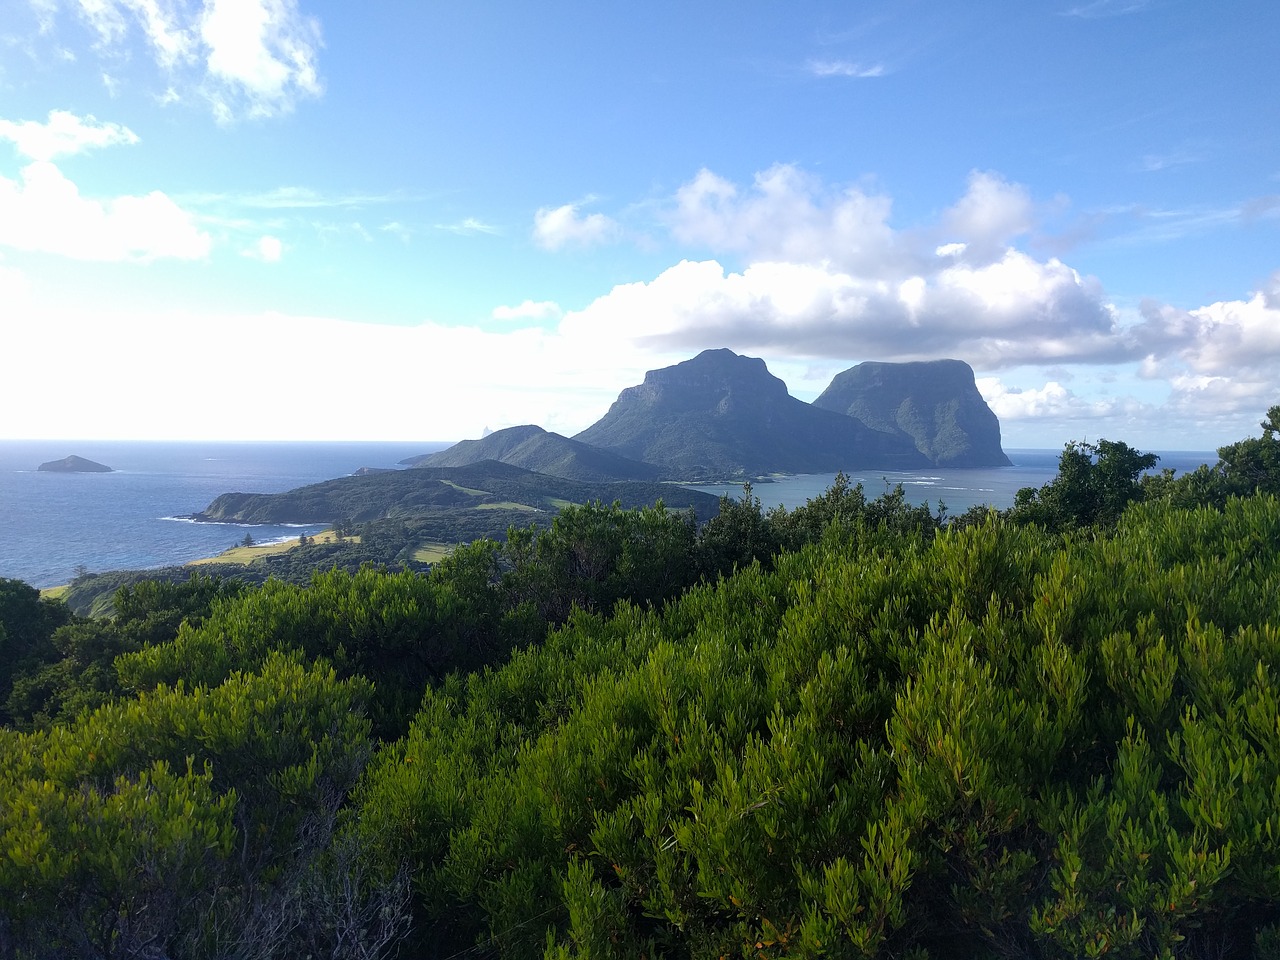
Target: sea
(139, 516)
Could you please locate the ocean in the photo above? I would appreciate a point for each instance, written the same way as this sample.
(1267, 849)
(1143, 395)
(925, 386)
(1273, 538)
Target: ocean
(51, 523)
(133, 518)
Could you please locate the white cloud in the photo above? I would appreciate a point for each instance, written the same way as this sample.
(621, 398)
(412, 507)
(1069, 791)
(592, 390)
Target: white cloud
(468, 226)
(1099, 9)
(788, 215)
(15, 289)
(1154, 162)
(63, 134)
(1012, 312)
(426, 381)
(845, 68)
(398, 229)
(528, 310)
(297, 198)
(1223, 356)
(990, 216)
(558, 227)
(261, 55)
(1052, 401)
(43, 211)
(267, 248)
(251, 58)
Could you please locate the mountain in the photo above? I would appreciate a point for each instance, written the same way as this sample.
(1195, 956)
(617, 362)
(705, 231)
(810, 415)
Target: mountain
(74, 464)
(488, 487)
(538, 450)
(724, 415)
(933, 404)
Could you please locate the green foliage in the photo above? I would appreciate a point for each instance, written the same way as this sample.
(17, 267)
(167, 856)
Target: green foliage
(863, 735)
(989, 742)
(400, 630)
(1243, 468)
(592, 556)
(78, 671)
(27, 625)
(1095, 482)
(188, 821)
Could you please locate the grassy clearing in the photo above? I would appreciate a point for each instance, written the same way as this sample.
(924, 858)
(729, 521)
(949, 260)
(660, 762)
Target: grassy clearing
(561, 504)
(53, 593)
(432, 552)
(471, 490)
(507, 505)
(246, 555)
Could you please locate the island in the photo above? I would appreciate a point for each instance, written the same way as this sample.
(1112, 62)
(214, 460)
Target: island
(74, 464)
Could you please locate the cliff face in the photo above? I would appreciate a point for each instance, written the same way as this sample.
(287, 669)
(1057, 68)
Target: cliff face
(724, 415)
(934, 404)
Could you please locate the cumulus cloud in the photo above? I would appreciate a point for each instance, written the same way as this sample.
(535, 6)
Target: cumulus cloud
(557, 227)
(44, 211)
(261, 55)
(788, 215)
(253, 58)
(1052, 401)
(802, 272)
(528, 310)
(1006, 314)
(990, 216)
(1221, 356)
(63, 134)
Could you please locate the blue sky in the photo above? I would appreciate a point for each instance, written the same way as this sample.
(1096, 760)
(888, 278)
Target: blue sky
(280, 219)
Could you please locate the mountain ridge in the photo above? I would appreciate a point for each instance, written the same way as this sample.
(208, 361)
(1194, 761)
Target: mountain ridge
(721, 415)
(542, 451)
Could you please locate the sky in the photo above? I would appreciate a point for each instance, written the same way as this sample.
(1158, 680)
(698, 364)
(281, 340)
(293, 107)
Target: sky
(304, 220)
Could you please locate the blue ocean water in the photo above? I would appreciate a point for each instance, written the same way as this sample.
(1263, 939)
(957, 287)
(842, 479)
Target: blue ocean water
(958, 489)
(129, 519)
(50, 523)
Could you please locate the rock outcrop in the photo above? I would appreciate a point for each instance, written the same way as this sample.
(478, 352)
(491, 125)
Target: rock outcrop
(934, 404)
(74, 464)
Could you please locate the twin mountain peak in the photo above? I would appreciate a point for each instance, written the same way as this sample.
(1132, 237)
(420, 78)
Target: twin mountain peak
(721, 415)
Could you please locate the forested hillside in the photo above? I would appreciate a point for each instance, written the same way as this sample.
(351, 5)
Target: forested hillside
(855, 729)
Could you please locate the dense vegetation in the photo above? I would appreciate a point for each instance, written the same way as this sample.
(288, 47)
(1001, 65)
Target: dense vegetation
(848, 730)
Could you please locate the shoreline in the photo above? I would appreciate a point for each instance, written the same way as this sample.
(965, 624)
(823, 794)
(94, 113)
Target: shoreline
(240, 555)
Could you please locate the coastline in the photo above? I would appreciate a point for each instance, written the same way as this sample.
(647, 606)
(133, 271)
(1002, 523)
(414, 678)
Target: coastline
(240, 554)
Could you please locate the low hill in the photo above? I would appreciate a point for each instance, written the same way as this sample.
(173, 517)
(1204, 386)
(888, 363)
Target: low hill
(724, 415)
(440, 491)
(934, 404)
(538, 450)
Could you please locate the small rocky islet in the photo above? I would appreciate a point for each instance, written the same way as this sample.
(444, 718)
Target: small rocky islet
(74, 464)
